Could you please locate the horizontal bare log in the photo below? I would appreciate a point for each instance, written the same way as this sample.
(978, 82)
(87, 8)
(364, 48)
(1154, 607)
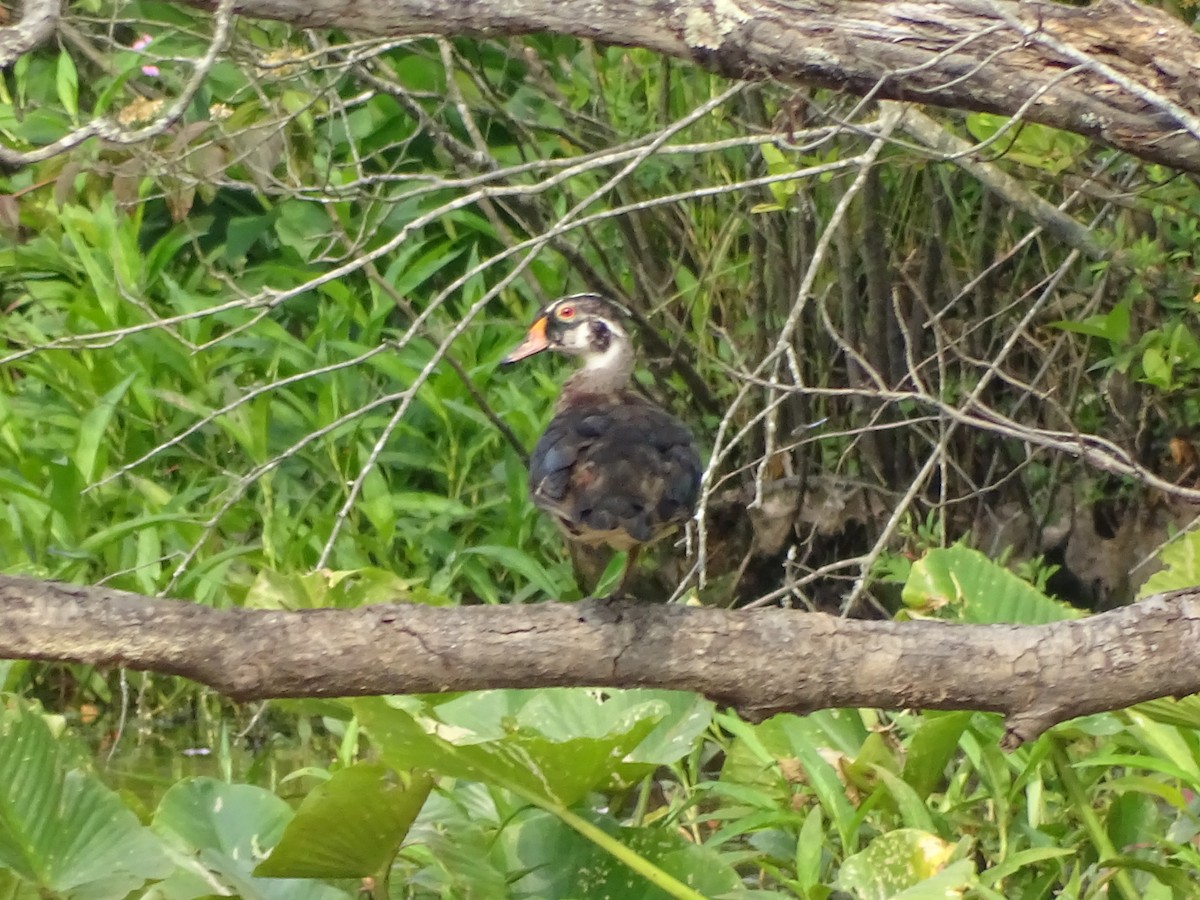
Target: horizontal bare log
(757, 661)
(1117, 71)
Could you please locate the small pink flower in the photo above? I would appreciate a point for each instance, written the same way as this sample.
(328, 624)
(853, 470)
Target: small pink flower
(141, 44)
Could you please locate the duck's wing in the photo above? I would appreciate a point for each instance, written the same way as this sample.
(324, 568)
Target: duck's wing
(620, 474)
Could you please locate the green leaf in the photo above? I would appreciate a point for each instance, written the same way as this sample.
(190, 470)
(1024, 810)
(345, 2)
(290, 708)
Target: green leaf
(416, 503)
(114, 88)
(979, 590)
(808, 849)
(530, 569)
(341, 589)
(805, 742)
(897, 861)
(94, 426)
(61, 829)
(1132, 818)
(302, 226)
(555, 745)
(913, 812)
(948, 883)
(349, 827)
(413, 273)
(67, 82)
(1182, 882)
(527, 743)
(1156, 369)
(932, 747)
(118, 532)
(778, 164)
(1146, 784)
(1181, 566)
(687, 717)
(1184, 712)
(1167, 742)
(243, 232)
(1013, 862)
(559, 862)
(1112, 326)
(228, 829)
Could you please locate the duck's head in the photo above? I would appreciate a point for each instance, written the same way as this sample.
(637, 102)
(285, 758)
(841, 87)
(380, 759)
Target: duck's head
(585, 325)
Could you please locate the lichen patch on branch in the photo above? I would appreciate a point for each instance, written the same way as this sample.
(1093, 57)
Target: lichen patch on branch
(706, 26)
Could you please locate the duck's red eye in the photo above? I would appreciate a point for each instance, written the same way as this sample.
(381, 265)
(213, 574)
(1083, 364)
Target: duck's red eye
(567, 312)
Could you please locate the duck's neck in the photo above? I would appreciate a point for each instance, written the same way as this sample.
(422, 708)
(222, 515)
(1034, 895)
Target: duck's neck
(604, 374)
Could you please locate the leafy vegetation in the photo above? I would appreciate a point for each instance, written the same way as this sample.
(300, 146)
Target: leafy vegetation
(251, 360)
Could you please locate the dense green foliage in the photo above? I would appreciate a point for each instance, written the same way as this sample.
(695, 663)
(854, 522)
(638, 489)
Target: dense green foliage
(252, 360)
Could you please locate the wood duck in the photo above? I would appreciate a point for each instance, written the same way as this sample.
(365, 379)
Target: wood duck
(612, 468)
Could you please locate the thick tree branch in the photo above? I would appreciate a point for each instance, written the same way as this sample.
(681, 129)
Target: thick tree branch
(38, 20)
(1117, 71)
(759, 661)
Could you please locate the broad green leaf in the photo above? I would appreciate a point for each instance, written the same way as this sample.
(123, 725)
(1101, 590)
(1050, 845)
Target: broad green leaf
(756, 757)
(843, 729)
(416, 503)
(687, 717)
(61, 829)
(1156, 368)
(1133, 820)
(778, 164)
(1181, 566)
(349, 827)
(243, 232)
(979, 590)
(932, 747)
(859, 771)
(97, 540)
(502, 741)
(555, 745)
(825, 780)
(897, 861)
(302, 226)
(375, 501)
(229, 829)
(949, 883)
(562, 863)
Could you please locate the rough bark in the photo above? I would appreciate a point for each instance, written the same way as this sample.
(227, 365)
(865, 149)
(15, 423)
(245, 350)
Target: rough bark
(1122, 73)
(36, 26)
(760, 661)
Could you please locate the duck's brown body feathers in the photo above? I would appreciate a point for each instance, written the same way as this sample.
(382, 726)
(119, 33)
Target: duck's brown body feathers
(615, 470)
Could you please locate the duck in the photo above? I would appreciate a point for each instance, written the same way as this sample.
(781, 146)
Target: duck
(612, 467)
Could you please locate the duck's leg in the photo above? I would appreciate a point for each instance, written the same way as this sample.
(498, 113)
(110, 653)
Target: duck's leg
(589, 563)
(630, 564)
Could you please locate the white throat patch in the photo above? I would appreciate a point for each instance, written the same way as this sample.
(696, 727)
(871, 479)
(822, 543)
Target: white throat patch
(611, 358)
